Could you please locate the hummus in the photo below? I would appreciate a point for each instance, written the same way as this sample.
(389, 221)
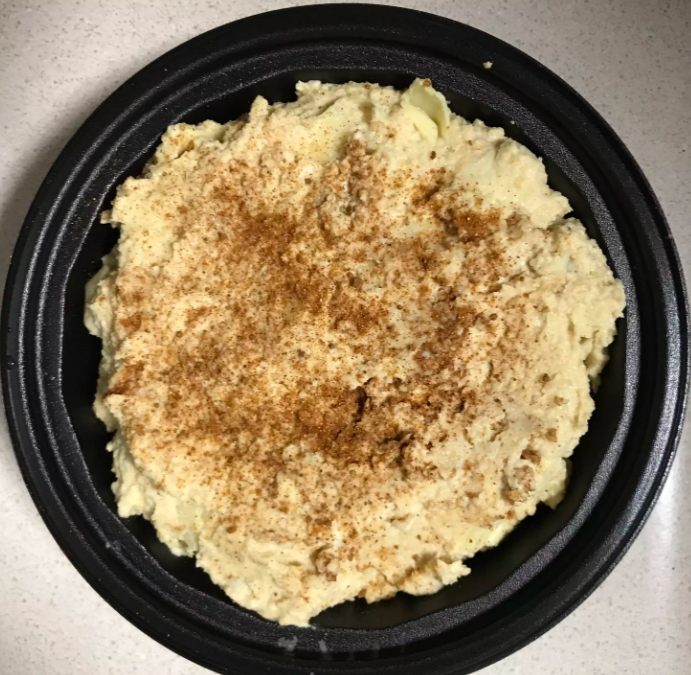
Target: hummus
(348, 342)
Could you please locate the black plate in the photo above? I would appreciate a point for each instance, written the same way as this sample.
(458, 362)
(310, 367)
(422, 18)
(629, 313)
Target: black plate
(49, 362)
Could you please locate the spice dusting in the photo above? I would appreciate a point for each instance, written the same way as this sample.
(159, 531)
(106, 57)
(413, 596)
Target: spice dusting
(334, 335)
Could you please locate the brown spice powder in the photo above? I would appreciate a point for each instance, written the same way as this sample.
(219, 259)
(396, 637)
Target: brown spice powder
(285, 282)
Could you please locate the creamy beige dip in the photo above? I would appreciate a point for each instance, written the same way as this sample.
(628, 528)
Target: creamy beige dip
(348, 342)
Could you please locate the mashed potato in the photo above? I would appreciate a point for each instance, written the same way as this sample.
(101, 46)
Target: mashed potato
(348, 342)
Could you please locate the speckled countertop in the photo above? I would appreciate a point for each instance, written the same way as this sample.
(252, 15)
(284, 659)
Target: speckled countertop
(630, 58)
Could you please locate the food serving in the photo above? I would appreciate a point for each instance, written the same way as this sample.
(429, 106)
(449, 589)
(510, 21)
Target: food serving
(348, 342)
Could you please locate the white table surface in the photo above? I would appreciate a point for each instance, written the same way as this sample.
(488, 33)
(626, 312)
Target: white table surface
(630, 59)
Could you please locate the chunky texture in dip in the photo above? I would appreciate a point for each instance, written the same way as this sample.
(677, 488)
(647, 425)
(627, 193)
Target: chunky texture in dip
(348, 342)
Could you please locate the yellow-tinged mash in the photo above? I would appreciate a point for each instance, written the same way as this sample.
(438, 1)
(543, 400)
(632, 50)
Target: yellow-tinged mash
(348, 342)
